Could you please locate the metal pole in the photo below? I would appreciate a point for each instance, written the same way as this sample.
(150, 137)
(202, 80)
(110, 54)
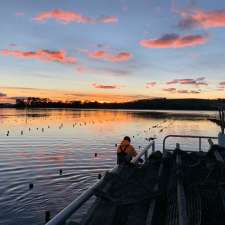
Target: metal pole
(141, 153)
(200, 144)
(181, 199)
(153, 146)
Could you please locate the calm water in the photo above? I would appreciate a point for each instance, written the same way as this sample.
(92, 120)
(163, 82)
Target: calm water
(41, 142)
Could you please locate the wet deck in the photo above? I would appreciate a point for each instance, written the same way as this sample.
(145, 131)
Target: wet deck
(177, 188)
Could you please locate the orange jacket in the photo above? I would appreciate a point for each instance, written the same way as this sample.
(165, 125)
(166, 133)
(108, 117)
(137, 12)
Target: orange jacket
(127, 148)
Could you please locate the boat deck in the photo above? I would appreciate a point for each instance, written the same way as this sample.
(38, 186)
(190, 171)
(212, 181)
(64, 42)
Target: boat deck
(174, 188)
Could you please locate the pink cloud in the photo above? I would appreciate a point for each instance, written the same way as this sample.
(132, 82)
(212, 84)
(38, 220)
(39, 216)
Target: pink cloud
(188, 91)
(150, 84)
(43, 55)
(103, 55)
(196, 82)
(205, 19)
(107, 19)
(102, 86)
(70, 16)
(182, 91)
(174, 41)
(222, 83)
(221, 86)
(170, 89)
(2, 95)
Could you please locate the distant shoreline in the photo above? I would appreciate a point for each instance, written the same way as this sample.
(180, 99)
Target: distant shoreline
(119, 109)
(144, 104)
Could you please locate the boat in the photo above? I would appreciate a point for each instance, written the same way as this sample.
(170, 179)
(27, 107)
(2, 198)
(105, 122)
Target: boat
(171, 187)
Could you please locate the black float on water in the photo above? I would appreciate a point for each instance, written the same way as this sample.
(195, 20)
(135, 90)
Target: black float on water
(31, 186)
(96, 154)
(60, 171)
(47, 216)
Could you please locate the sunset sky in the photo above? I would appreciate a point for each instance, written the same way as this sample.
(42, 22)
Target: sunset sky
(115, 50)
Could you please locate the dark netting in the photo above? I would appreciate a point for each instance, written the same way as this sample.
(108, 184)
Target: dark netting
(125, 197)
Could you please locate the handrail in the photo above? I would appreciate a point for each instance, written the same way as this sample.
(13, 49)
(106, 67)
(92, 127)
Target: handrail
(187, 136)
(144, 152)
(65, 214)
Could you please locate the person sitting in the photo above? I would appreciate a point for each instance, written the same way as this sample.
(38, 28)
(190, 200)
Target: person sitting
(125, 151)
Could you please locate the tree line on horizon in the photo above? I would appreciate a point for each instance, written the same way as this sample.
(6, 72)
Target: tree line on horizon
(157, 103)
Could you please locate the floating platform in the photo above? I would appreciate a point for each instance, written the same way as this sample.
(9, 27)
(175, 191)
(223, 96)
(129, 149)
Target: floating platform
(189, 189)
(171, 188)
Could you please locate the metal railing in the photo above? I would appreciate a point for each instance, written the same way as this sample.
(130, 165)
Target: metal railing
(144, 152)
(68, 211)
(187, 136)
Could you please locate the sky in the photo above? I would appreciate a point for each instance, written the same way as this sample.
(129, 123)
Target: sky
(112, 51)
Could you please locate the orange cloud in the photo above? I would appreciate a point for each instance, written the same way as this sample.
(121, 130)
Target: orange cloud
(69, 17)
(174, 41)
(43, 55)
(150, 84)
(101, 86)
(103, 55)
(205, 19)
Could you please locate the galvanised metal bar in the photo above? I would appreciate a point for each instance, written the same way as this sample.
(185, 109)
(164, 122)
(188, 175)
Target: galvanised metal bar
(65, 214)
(181, 198)
(186, 136)
(152, 204)
(200, 144)
(143, 152)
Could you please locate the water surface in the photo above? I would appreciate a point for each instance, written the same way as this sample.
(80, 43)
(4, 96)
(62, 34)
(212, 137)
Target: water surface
(36, 144)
